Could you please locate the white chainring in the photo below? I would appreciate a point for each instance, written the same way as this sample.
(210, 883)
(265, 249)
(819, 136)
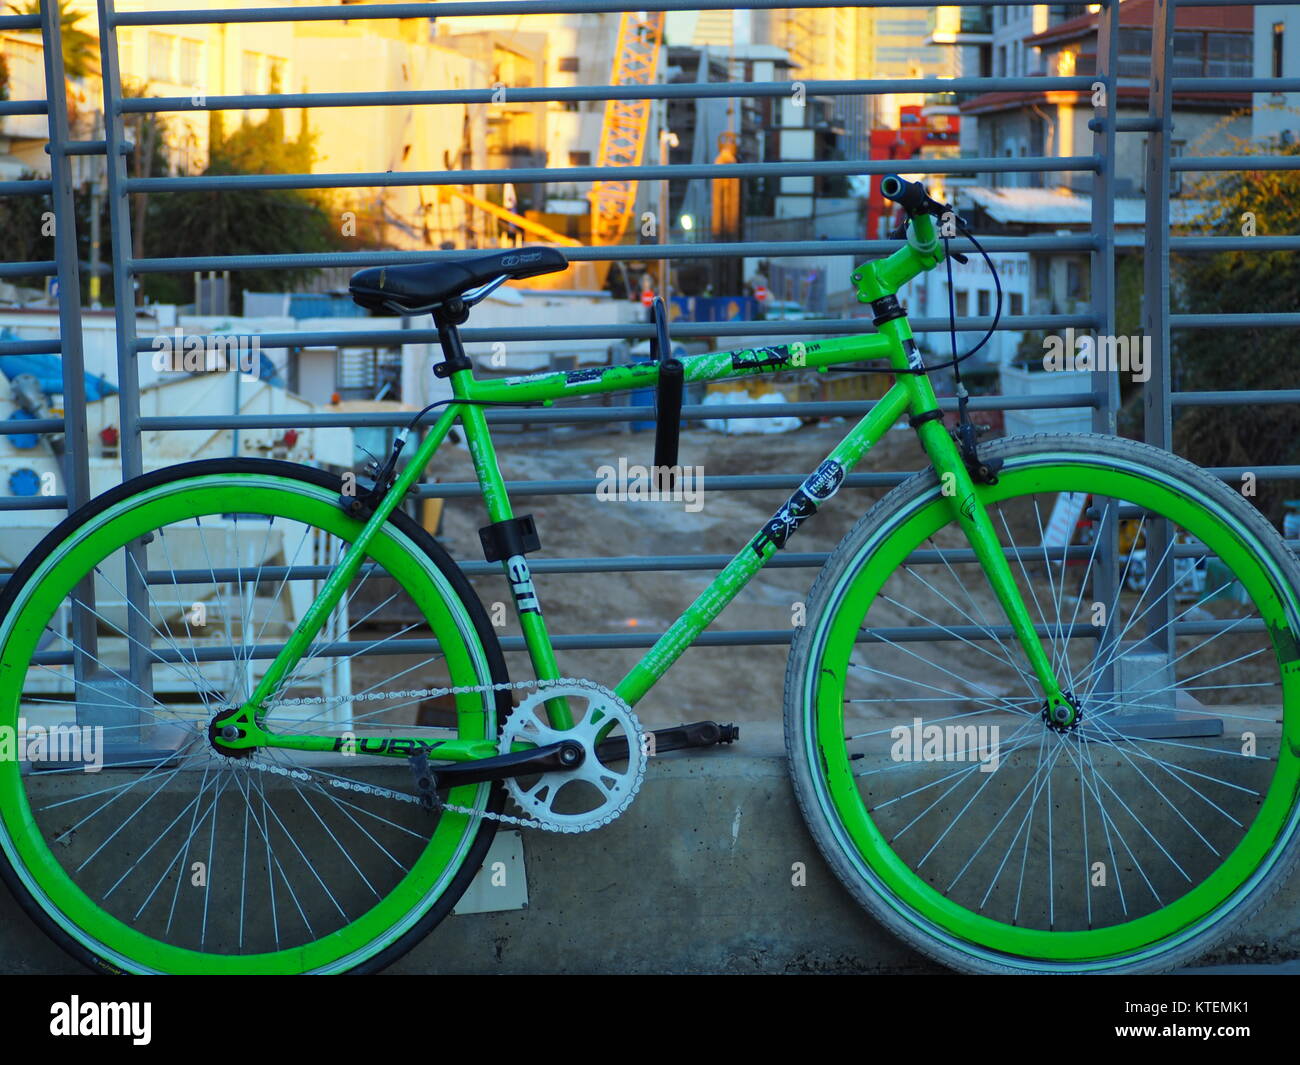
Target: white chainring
(594, 709)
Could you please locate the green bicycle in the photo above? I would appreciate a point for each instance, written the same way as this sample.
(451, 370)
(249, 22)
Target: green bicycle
(1015, 758)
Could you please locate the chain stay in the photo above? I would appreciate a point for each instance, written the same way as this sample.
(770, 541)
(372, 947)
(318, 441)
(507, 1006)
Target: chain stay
(470, 689)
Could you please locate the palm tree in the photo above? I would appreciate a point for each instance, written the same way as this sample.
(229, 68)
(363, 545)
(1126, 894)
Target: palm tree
(80, 47)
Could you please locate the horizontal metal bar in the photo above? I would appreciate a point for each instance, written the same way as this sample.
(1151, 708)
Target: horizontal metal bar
(1218, 244)
(1262, 473)
(536, 175)
(588, 415)
(1126, 125)
(25, 188)
(23, 107)
(1280, 320)
(1200, 163)
(1269, 85)
(458, 8)
(587, 486)
(33, 502)
(15, 427)
(44, 268)
(614, 253)
(49, 346)
(594, 641)
(632, 331)
(1239, 398)
(609, 564)
(20, 22)
(582, 93)
(99, 147)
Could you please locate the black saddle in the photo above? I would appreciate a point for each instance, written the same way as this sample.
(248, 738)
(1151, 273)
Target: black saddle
(420, 287)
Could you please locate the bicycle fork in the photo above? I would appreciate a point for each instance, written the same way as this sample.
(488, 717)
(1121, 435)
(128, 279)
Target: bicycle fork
(959, 489)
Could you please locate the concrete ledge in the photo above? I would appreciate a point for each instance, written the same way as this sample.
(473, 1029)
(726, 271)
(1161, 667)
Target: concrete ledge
(696, 877)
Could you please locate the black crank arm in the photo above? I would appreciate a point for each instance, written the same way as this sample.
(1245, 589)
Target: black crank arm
(563, 755)
(675, 738)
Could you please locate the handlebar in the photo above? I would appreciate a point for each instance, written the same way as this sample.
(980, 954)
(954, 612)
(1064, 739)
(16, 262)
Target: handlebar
(911, 196)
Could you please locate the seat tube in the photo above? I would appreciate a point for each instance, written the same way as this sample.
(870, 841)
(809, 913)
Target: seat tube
(527, 603)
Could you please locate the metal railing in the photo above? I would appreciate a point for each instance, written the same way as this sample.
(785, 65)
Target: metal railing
(1098, 242)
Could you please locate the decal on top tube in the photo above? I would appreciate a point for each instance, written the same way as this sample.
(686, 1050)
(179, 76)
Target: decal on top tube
(819, 486)
(771, 358)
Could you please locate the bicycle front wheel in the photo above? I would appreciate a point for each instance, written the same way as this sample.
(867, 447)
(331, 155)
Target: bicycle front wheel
(141, 846)
(957, 813)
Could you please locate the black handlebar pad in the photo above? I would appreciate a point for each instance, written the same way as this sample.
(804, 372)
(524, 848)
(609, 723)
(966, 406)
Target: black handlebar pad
(668, 390)
(909, 195)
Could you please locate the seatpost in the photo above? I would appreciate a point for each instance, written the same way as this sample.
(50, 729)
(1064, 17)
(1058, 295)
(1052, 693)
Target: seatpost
(447, 319)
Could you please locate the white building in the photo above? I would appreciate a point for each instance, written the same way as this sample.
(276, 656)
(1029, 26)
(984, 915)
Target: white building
(1277, 55)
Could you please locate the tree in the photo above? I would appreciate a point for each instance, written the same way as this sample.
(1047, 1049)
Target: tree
(80, 47)
(1261, 202)
(235, 221)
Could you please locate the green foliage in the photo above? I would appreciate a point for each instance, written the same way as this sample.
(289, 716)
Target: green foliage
(80, 47)
(1249, 357)
(243, 221)
(22, 219)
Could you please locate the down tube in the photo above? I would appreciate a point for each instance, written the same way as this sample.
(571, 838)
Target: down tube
(817, 488)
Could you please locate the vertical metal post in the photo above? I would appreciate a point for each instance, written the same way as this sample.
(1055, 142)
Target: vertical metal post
(1155, 314)
(139, 672)
(1105, 383)
(76, 462)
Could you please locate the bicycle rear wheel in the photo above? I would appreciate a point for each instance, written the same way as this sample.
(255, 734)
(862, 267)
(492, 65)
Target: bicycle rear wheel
(172, 856)
(957, 813)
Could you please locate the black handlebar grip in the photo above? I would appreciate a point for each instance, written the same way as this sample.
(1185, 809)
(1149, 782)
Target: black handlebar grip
(910, 195)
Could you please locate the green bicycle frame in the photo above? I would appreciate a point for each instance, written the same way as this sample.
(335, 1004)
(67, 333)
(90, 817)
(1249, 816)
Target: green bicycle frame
(912, 394)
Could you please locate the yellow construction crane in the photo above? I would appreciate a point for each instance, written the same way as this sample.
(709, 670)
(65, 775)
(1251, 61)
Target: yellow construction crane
(622, 143)
(623, 134)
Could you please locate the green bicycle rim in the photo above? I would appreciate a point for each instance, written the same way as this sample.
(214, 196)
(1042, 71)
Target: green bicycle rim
(40, 872)
(916, 901)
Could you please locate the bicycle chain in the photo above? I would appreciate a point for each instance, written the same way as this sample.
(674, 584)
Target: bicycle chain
(470, 689)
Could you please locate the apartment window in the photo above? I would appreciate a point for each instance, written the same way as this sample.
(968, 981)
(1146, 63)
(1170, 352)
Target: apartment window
(1076, 280)
(1228, 55)
(568, 64)
(191, 62)
(1002, 61)
(1278, 30)
(962, 300)
(1017, 302)
(251, 73)
(580, 158)
(985, 302)
(160, 57)
(1042, 277)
